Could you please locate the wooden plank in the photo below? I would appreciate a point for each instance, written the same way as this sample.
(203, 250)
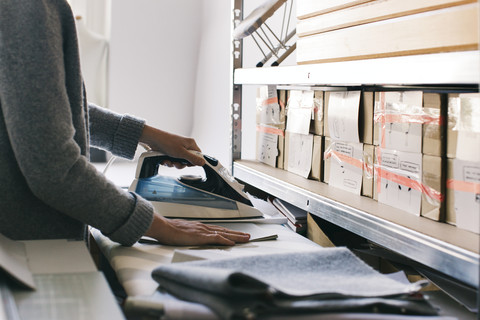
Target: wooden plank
(310, 8)
(370, 12)
(444, 30)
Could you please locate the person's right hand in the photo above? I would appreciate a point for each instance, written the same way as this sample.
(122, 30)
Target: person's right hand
(172, 145)
(185, 232)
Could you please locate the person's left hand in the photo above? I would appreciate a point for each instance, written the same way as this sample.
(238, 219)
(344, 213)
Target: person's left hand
(186, 232)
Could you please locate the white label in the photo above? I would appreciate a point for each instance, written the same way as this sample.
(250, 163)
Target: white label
(343, 112)
(300, 154)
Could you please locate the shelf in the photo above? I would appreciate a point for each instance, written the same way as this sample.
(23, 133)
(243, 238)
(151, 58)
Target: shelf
(443, 247)
(429, 69)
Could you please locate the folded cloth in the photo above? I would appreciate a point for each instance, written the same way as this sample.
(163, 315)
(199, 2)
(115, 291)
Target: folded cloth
(323, 280)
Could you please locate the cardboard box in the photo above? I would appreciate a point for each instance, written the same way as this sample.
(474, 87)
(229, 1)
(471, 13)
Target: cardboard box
(410, 181)
(463, 199)
(326, 161)
(368, 164)
(282, 101)
(317, 156)
(450, 216)
(409, 121)
(434, 107)
(463, 130)
(351, 116)
(433, 180)
(346, 165)
(270, 118)
(300, 110)
(298, 153)
(316, 124)
(316, 234)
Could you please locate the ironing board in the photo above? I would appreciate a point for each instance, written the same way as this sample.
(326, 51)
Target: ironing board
(133, 265)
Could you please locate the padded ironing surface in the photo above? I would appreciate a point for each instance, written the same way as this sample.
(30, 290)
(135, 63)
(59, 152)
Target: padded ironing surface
(256, 18)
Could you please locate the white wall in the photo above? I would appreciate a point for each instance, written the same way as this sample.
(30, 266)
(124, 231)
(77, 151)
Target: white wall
(212, 124)
(170, 63)
(153, 58)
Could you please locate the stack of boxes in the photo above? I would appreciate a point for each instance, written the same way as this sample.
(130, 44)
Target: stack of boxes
(348, 128)
(392, 146)
(298, 139)
(408, 157)
(270, 118)
(463, 161)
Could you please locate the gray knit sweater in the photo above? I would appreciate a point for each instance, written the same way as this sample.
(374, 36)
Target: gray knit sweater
(48, 188)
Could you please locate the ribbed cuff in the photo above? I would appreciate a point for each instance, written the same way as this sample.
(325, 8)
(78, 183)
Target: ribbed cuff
(136, 225)
(127, 136)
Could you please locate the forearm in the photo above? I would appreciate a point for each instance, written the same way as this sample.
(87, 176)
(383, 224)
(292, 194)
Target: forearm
(114, 132)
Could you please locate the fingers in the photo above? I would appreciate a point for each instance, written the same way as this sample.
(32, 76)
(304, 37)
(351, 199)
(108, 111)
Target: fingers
(220, 233)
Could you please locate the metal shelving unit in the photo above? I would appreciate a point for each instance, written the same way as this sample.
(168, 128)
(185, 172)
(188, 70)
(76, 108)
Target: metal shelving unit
(440, 246)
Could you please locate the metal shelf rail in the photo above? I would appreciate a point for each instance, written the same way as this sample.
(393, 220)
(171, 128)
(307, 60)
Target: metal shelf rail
(449, 259)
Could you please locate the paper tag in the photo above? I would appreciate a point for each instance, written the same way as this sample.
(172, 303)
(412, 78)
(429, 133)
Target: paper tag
(268, 109)
(343, 112)
(346, 169)
(300, 154)
(300, 110)
(267, 150)
(401, 191)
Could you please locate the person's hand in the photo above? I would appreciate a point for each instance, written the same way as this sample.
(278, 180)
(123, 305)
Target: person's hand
(184, 232)
(172, 145)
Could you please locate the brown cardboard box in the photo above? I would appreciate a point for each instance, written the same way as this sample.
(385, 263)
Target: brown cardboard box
(317, 156)
(433, 132)
(315, 233)
(316, 125)
(368, 158)
(430, 138)
(326, 162)
(365, 116)
(282, 101)
(450, 216)
(433, 204)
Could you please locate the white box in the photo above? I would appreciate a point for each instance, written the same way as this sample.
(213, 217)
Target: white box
(346, 165)
(465, 185)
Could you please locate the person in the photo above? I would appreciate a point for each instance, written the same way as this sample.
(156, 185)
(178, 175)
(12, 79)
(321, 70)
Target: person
(48, 187)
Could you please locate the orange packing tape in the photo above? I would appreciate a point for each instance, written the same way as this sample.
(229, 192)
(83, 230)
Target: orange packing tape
(405, 181)
(382, 120)
(270, 101)
(278, 132)
(344, 158)
(352, 161)
(464, 186)
(408, 118)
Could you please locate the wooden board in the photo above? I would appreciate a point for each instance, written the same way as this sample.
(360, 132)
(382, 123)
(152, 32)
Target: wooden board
(310, 8)
(444, 30)
(370, 12)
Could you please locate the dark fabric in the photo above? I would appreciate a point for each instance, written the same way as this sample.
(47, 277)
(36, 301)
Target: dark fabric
(324, 280)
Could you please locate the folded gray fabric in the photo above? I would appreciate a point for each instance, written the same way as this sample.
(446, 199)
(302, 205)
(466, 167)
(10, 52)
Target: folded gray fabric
(323, 280)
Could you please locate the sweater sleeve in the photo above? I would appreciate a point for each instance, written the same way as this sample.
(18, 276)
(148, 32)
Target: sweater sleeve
(40, 91)
(113, 132)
